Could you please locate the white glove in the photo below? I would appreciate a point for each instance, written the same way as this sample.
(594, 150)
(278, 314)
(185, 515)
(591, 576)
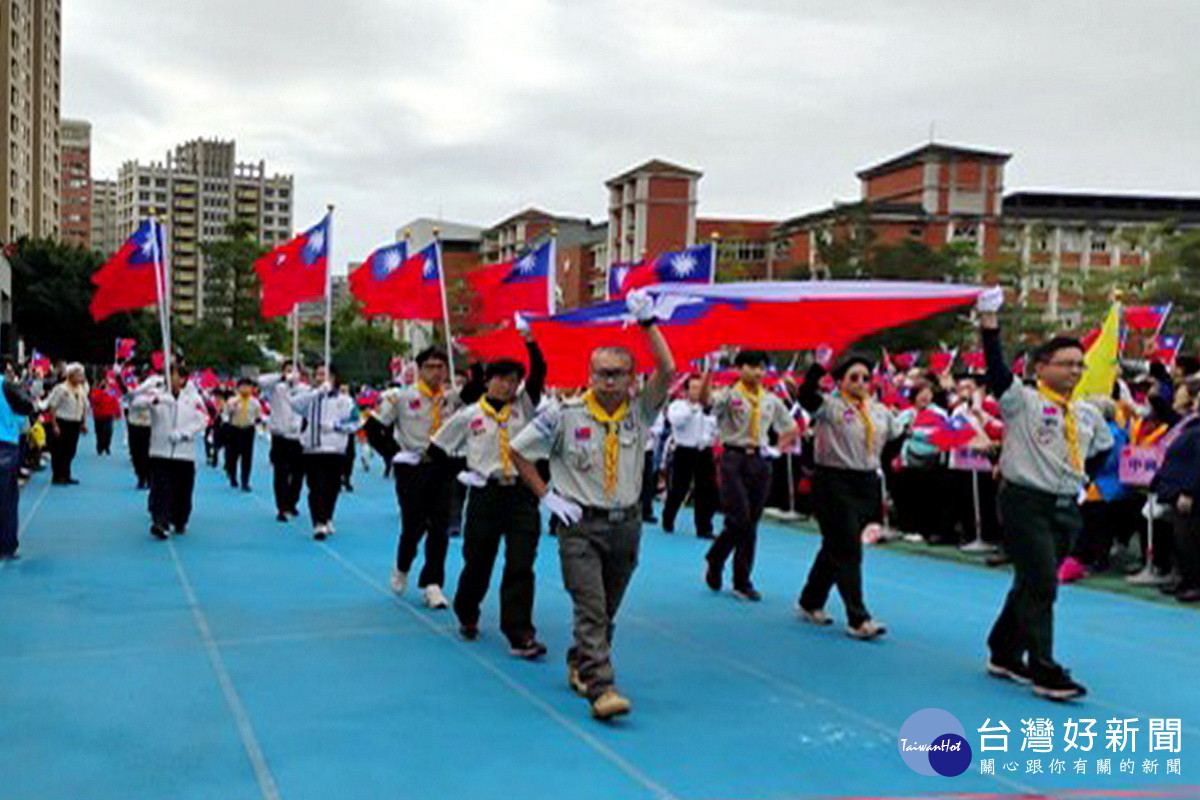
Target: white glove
(640, 305)
(469, 477)
(990, 300)
(409, 457)
(520, 323)
(558, 506)
(176, 437)
(771, 452)
(824, 356)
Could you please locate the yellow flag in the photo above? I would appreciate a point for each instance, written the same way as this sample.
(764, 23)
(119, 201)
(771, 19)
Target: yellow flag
(1101, 362)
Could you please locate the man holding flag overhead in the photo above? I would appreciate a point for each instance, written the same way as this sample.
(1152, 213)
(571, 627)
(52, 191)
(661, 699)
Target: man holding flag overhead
(1050, 442)
(595, 445)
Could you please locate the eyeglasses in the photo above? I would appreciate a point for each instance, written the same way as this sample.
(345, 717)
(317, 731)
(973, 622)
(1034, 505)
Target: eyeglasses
(610, 374)
(1067, 364)
(858, 377)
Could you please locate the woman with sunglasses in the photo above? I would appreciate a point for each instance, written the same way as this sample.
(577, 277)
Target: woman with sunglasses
(850, 430)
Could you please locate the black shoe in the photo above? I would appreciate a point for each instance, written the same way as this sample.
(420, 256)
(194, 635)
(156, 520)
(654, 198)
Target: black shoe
(528, 649)
(1174, 587)
(233, 484)
(712, 577)
(1010, 669)
(72, 481)
(997, 559)
(180, 530)
(650, 518)
(668, 529)
(1188, 596)
(142, 485)
(1056, 684)
(281, 517)
(748, 593)
(348, 487)
(469, 633)
(705, 535)
(246, 487)
(10, 557)
(158, 533)
(59, 482)
(293, 512)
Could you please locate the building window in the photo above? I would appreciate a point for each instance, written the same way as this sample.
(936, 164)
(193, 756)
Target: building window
(964, 232)
(1010, 239)
(1099, 242)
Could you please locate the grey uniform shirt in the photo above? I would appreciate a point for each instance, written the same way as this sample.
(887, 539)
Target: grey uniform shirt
(1035, 453)
(733, 412)
(840, 436)
(573, 440)
(473, 433)
(243, 413)
(412, 414)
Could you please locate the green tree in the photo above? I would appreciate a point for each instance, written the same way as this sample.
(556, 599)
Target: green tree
(231, 286)
(214, 344)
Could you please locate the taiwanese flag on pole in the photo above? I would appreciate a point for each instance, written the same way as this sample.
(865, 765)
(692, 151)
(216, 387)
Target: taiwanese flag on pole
(416, 287)
(942, 431)
(696, 264)
(521, 285)
(372, 282)
(1166, 348)
(295, 271)
(131, 278)
(1146, 318)
(124, 349)
(941, 361)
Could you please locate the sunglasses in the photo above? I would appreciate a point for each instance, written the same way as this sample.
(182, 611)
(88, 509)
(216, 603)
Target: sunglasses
(610, 374)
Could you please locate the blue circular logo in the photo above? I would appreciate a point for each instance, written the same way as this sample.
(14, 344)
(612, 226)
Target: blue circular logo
(933, 742)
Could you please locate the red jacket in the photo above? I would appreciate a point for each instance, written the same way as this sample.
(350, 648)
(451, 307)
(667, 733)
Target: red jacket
(105, 403)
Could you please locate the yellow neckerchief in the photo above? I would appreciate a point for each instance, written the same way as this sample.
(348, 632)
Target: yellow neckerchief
(243, 410)
(755, 399)
(501, 419)
(435, 400)
(612, 445)
(864, 413)
(1069, 427)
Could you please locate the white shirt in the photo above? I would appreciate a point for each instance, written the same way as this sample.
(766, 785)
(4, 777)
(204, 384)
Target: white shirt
(690, 426)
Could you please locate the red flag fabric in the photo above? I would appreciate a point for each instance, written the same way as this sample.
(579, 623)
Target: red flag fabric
(156, 360)
(372, 283)
(943, 432)
(294, 272)
(1146, 318)
(974, 361)
(125, 349)
(504, 343)
(414, 289)
(520, 285)
(128, 280)
(699, 319)
(941, 361)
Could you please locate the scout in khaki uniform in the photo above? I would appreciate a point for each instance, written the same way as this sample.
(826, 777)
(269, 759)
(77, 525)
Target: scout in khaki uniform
(423, 489)
(68, 406)
(242, 413)
(745, 414)
(850, 431)
(1050, 441)
(596, 446)
(499, 506)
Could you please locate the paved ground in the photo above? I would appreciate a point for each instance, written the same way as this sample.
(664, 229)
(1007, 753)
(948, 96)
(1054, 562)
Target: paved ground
(247, 661)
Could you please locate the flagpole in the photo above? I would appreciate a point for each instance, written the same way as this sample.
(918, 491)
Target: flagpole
(437, 248)
(168, 350)
(296, 335)
(159, 280)
(328, 284)
(715, 236)
(552, 283)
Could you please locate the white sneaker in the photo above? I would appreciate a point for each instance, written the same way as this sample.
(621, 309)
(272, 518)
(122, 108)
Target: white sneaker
(329, 529)
(320, 531)
(399, 581)
(434, 597)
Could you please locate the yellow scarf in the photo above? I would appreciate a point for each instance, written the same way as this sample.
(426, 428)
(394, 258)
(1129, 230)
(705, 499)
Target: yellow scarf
(243, 411)
(612, 445)
(435, 400)
(1069, 426)
(864, 413)
(754, 398)
(501, 419)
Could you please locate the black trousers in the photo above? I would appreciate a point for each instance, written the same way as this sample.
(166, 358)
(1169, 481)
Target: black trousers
(139, 452)
(745, 483)
(1187, 548)
(424, 492)
(104, 434)
(62, 449)
(649, 485)
(10, 497)
(493, 514)
(696, 470)
(1038, 530)
(348, 461)
(1103, 524)
(845, 501)
(288, 462)
(171, 485)
(926, 510)
(239, 448)
(324, 472)
(380, 437)
(963, 499)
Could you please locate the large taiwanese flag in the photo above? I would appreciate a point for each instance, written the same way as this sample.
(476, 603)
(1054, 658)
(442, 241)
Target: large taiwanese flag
(295, 271)
(1146, 318)
(693, 265)
(414, 289)
(520, 285)
(372, 282)
(130, 279)
(700, 319)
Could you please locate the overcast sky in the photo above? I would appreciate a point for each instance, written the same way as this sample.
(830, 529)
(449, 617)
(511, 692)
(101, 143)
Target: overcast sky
(474, 109)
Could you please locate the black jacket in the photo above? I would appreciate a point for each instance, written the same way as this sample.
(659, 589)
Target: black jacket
(1180, 470)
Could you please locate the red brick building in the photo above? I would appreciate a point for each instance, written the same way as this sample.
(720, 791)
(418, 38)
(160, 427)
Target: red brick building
(935, 194)
(75, 206)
